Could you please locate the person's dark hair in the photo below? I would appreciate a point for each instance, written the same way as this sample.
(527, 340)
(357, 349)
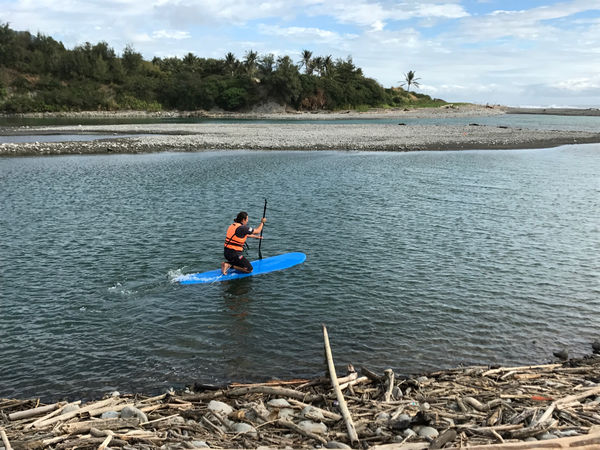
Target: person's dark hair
(243, 215)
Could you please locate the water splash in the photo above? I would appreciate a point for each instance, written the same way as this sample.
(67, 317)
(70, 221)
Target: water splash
(175, 275)
(119, 289)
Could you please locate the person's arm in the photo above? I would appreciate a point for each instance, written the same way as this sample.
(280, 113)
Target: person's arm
(256, 233)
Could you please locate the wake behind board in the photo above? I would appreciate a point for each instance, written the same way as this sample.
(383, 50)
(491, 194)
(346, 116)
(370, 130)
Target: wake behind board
(260, 266)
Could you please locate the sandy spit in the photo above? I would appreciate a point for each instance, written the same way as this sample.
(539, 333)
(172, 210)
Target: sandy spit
(301, 136)
(273, 111)
(555, 111)
(257, 136)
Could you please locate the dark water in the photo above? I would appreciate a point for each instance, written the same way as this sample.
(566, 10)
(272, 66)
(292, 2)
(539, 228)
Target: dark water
(19, 139)
(532, 121)
(416, 261)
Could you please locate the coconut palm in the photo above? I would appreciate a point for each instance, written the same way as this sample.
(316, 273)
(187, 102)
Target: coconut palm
(231, 63)
(250, 62)
(328, 64)
(318, 65)
(410, 80)
(190, 59)
(266, 64)
(306, 61)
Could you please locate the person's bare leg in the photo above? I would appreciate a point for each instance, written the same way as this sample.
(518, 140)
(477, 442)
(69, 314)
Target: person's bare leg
(225, 266)
(242, 269)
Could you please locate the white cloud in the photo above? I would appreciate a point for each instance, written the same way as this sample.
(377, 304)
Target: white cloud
(375, 15)
(529, 24)
(378, 25)
(170, 34)
(142, 38)
(578, 84)
(443, 11)
(208, 12)
(304, 34)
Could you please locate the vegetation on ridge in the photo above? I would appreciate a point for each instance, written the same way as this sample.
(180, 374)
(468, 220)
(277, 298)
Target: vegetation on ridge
(38, 74)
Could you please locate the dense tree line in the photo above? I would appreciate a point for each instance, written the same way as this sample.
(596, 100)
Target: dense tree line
(37, 73)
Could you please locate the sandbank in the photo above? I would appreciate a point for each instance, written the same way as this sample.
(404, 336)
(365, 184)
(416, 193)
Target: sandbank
(288, 135)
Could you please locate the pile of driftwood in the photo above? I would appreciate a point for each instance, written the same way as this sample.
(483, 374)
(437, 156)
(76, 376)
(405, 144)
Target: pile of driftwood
(532, 407)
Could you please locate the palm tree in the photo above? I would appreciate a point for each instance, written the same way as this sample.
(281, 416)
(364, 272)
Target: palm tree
(306, 61)
(190, 59)
(231, 62)
(318, 65)
(266, 64)
(410, 80)
(250, 61)
(328, 64)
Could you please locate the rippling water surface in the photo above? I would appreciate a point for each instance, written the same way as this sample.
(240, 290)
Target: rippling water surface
(531, 121)
(415, 261)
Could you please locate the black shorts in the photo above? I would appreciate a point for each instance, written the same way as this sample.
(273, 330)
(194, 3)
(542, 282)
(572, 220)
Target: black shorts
(236, 258)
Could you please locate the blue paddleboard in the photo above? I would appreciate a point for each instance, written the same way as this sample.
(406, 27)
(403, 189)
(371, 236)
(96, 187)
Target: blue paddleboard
(260, 266)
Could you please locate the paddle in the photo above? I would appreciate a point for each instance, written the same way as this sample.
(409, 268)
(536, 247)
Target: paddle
(261, 231)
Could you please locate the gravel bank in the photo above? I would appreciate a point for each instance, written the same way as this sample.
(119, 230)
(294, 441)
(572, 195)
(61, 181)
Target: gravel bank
(273, 111)
(555, 111)
(263, 136)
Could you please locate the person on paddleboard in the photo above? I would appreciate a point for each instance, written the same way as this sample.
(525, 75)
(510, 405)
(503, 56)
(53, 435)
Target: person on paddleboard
(235, 239)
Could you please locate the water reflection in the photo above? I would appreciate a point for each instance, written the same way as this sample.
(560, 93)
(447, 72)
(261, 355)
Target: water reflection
(237, 341)
(236, 297)
(30, 138)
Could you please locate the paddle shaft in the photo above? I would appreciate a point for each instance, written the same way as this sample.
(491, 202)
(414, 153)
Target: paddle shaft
(261, 231)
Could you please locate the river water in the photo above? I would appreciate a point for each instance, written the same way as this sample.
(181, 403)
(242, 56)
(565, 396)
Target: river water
(531, 121)
(415, 261)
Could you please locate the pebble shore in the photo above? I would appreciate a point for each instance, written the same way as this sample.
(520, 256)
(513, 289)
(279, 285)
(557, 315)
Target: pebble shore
(189, 137)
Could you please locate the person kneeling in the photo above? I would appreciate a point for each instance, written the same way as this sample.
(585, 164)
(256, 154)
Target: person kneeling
(235, 238)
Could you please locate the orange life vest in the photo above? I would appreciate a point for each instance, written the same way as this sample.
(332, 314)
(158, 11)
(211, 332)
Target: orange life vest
(232, 241)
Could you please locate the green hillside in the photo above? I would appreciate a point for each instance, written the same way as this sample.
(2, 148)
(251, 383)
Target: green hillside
(38, 74)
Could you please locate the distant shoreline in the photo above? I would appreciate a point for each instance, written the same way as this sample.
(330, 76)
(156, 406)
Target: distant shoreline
(555, 111)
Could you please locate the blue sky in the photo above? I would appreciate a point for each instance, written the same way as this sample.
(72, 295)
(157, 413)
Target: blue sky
(521, 53)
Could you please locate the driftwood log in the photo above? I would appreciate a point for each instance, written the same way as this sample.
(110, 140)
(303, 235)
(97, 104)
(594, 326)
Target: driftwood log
(5, 440)
(338, 391)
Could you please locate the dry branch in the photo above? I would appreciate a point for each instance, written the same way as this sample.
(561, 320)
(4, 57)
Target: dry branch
(75, 413)
(336, 387)
(5, 440)
(103, 424)
(35, 411)
(328, 414)
(389, 373)
(297, 429)
(269, 390)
